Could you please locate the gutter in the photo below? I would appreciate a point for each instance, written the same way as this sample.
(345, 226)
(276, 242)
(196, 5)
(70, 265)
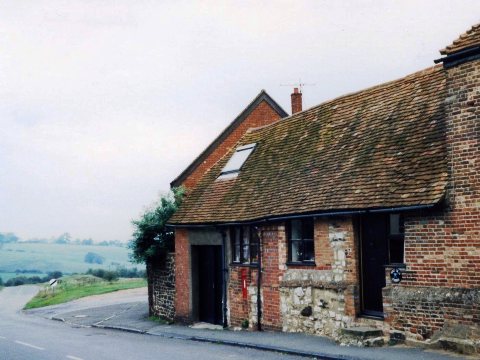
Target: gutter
(224, 279)
(306, 215)
(259, 280)
(460, 57)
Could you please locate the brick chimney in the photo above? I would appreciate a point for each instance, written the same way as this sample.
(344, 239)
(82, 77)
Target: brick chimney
(296, 101)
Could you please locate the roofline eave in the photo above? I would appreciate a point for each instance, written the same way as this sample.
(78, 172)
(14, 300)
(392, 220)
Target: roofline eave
(306, 215)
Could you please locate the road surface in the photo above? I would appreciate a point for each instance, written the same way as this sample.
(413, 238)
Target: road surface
(27, 337)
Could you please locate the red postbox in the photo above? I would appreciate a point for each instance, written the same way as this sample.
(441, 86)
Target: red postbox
(244, 283)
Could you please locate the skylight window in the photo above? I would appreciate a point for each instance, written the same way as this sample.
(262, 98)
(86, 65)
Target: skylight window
(237, 160)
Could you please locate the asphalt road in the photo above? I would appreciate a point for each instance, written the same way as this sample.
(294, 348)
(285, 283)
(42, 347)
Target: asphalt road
(24, 337)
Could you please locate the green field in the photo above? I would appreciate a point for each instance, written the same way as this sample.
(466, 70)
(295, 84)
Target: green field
(65, 258)
(75, 287)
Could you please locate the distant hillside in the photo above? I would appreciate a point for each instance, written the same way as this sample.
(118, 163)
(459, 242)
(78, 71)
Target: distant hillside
(67, 258)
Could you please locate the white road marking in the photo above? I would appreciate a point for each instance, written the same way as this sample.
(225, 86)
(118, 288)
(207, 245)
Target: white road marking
(73, 357)
(29, 345)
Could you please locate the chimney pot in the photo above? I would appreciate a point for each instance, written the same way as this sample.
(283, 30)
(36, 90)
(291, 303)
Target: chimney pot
(296, 101)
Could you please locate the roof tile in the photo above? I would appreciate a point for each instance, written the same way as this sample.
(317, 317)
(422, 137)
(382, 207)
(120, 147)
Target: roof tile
(466, 40)
(381, 147)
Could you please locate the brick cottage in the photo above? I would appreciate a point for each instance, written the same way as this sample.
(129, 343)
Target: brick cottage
(361, 211)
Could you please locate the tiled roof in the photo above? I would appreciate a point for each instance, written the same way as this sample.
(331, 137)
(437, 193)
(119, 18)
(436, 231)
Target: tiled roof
(379, 148)
(466, 40)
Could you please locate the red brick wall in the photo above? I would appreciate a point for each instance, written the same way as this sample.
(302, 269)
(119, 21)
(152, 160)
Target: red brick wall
(239, 307)
(262, 115)
(182, 275)
(271, 236)
(442, 250)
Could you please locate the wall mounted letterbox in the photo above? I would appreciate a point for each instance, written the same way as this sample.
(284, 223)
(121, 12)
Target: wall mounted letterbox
(244, 283)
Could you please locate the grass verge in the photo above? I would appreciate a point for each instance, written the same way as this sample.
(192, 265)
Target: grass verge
(75, 287)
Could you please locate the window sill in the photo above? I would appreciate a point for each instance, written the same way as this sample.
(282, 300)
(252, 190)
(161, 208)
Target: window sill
(309, 263)
(395, 265)
(244, 265)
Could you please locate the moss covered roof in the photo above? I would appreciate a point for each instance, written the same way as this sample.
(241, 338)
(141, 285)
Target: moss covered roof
(378, 148)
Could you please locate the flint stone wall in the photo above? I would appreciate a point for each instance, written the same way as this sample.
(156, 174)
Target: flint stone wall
(162, 289)
(311, 301)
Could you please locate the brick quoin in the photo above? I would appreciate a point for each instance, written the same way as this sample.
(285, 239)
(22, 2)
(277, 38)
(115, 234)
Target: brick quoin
(262, 115)
(271, 319)
(182, 276)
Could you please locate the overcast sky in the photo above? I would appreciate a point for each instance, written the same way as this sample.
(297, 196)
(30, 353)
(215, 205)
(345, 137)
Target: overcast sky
(103, 103)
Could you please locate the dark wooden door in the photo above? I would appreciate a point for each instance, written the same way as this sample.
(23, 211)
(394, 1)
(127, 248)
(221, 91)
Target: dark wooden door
(374, 257)
(210, 283)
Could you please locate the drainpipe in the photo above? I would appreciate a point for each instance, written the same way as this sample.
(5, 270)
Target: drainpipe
(259, 280)
(224, 278)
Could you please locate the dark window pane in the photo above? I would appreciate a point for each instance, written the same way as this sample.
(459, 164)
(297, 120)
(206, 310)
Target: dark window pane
(235, 234)
(396, 224)
(396, 250)
(308, 251)
(254, 253)
(295, 251)
(236, 253)
(295, 229)
(246, 253)
(254, 239)
(307, 228)
(245, 244)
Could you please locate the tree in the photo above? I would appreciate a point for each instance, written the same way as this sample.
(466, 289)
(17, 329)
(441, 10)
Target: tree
(65, 238)
(93, 258)
(8, 238)
(151, 238)
(87, 242)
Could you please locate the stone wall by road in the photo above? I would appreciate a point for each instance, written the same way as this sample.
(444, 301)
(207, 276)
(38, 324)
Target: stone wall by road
(311, 302)
(161, 280)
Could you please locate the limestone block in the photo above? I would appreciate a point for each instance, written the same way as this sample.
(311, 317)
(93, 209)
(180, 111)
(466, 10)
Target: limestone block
(299, 292)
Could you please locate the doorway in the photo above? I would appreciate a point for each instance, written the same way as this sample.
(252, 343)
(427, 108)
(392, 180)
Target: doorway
(209, 275)
(374, 257)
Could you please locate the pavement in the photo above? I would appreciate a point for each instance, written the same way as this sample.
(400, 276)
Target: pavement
(133, 317)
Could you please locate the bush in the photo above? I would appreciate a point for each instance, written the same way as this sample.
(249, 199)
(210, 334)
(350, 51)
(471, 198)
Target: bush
(151, 238)
(114, 275)
(93, 258)
(18, 280)
(53, 275)
(96, 272)
(1, 281)
(110, 276)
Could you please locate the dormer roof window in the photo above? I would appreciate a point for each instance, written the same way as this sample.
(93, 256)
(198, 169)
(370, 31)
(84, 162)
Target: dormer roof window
(237, 160)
